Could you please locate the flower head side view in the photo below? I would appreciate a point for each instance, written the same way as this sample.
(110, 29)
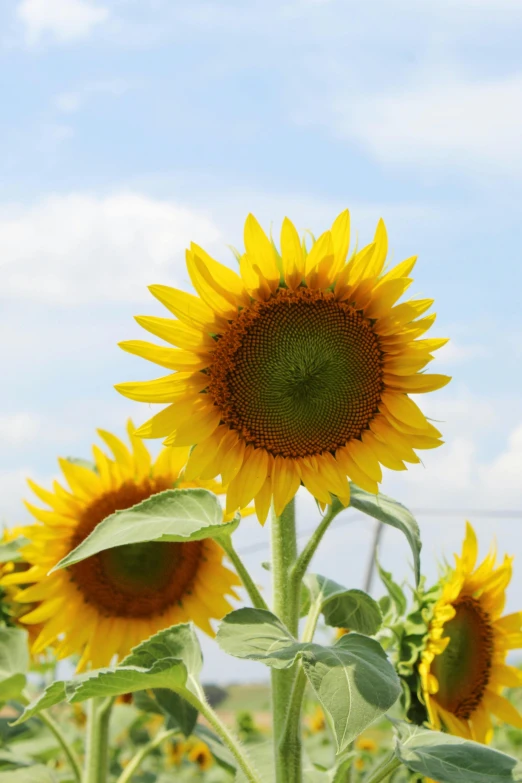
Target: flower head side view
(297, 370)
(463, 668)
(108, 603)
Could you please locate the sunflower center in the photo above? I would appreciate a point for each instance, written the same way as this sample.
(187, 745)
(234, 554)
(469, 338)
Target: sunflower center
(463, 669)
(135, 580)
(299, 374)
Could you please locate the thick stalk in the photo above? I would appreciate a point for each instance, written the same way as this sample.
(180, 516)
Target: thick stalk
(67, 749)
(97, 750)
(248, 583)
(135, 762)
(287, 739)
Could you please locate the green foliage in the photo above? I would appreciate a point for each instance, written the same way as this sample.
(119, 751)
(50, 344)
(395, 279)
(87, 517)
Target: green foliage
(353, 679)
(35, 774)
(342, 608)
(178, 515)
(393, 513)
(14, 662)
(450, 759)
(169, 659)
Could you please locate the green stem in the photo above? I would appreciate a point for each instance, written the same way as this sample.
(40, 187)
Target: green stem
(67, 749)
(137, 759)
(255, 596)
(287, 735)
(233, 744)
(295, 706)
(384, 772)
(305, 558)
(97, 750)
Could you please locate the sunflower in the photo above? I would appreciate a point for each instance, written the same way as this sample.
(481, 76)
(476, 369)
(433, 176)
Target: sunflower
(105, 605)
(200, 754)
(295, 371)
(462, 667)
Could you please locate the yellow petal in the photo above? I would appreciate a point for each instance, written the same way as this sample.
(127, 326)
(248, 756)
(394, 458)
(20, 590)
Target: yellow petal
(401, 270)
(228, 283)
(166, 421)
(201, 425)
(385, 295)
(365, 459)
(378, 258)
(503, 709)
(341, 240)
(82, 481)
(262, 500)
(188, 308)
(333, 475)
(206, 287)
(203, 453)
(120, 451)
(401, 315)
(357, 475)
(233, 458)
(469, 549)
(404, 409)
(416, 384)
(260, 251)
(172, 358)
(177, 333)
(285, 482)
(384, 454)
(292, 254)
(140, 453)
(313, 481)
(319, 262)
(165, 389)
(249, 479)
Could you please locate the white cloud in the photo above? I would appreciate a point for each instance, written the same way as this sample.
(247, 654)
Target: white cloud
(64, 20)
(444, 121)
(18, 428)
(80, 248)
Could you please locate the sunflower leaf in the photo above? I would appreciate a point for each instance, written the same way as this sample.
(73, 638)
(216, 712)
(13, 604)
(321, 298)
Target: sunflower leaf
(352, 679)
(14, 662)
(342, 608)
(179, 515)
(450, 759)
(393, 513)
(181, 715)
(169, 659)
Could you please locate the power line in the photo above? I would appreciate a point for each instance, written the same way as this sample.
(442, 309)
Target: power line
(432, 512)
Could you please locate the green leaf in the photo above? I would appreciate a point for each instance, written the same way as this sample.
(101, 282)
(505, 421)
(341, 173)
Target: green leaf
(14, 662)
(392, 513)
(353, 679)
(394, 591)
(9, 552)
(355, 683)
(169, 659)
(174, 515)
(258, 635)
(342, 608)
(37, 774)
(181, 715)
(450, 759)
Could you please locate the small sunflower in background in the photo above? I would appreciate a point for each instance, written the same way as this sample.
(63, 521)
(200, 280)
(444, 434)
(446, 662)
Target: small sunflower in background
(108, 603)
(317, 721)
(200, 754)
(454, 663)
(297, 370)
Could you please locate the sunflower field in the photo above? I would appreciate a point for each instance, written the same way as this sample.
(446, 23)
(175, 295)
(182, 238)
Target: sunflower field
(292, 371)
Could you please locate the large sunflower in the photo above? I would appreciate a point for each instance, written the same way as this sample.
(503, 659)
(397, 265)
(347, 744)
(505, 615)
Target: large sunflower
(110, 602)
(298, 370)
(463, 667)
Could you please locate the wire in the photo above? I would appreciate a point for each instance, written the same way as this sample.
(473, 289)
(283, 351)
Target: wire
(427, 512)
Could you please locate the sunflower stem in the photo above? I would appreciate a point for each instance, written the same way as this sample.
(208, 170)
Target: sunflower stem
(248, 583)
(97, 750)
(66, 747)
(286, 731)
(136, 760)
(199, 701)
(305, 558)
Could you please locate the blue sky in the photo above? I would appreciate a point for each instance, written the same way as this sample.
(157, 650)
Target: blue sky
(131, 127)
